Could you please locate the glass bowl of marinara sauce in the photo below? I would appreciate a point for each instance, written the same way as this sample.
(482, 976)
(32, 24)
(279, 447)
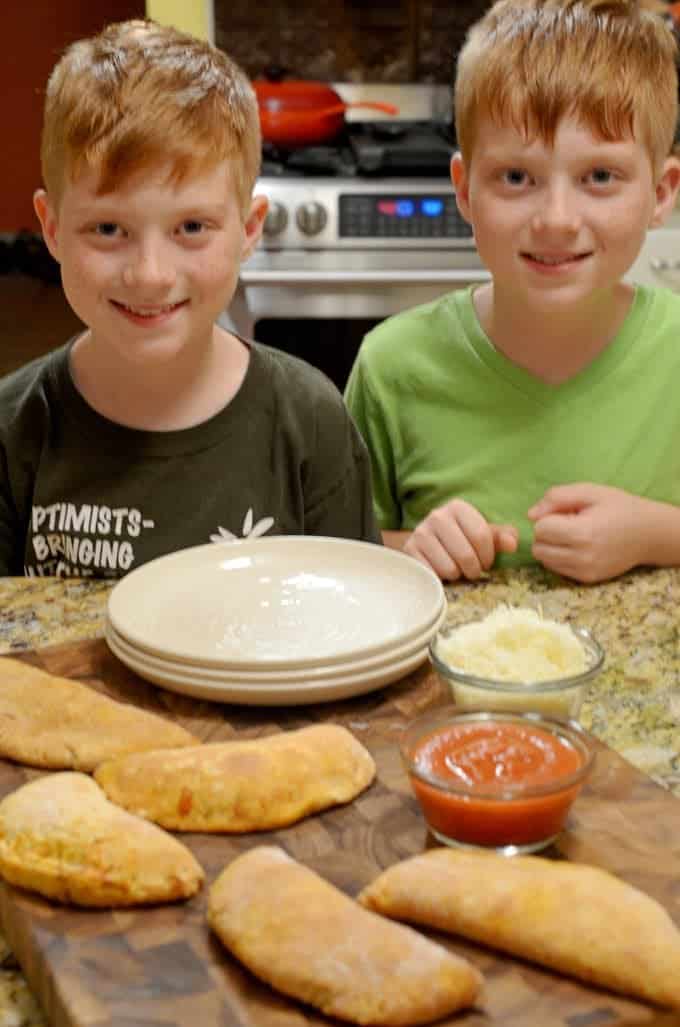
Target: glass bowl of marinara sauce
(496, 780)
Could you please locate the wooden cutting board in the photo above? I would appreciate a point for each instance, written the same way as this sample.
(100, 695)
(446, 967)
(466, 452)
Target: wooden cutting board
(162, 967)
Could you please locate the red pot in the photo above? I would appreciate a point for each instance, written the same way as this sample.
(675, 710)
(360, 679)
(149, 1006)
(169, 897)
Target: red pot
(299, 113)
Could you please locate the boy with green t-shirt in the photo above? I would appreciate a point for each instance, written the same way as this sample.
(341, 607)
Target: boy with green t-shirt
(535, 418)
(155, 429)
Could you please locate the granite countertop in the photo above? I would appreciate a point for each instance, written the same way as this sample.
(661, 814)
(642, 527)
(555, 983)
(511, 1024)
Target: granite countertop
(633, 705)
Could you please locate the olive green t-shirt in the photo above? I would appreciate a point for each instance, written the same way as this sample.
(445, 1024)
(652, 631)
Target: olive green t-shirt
(82, 495)
(445, 415)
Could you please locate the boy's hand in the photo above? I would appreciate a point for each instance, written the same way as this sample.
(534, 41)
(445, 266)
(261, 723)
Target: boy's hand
(589, 532)
(457, 542)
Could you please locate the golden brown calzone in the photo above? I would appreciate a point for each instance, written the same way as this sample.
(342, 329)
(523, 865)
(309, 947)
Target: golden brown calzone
(307, 939)
(61, 837)
(577, 919)
(54, 723)
(251, 785)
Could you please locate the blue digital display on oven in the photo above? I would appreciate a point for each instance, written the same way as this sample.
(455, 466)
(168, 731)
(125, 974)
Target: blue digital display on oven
(432, 208)
(431, 215)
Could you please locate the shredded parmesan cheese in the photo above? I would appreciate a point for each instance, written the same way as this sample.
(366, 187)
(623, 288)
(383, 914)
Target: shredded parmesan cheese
(514, 644)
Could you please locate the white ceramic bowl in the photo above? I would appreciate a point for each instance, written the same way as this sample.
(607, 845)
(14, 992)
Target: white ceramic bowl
(227, 686)
(320, 671)
(276, 603)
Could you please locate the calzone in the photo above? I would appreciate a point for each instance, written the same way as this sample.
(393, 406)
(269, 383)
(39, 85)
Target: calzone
(574, 918)
(61, 837)
(58, 724)
(242, 785)
(309, 940)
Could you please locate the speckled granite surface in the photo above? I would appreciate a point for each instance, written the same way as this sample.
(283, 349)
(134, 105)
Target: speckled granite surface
(634, 704)
(35, 612)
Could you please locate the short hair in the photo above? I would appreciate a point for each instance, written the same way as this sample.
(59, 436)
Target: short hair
(528, 63)
(138, 95)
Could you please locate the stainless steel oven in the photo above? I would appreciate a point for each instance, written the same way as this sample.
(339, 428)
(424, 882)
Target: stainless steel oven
(356, 231)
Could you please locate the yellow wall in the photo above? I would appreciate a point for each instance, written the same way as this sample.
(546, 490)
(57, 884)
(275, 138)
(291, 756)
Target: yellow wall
(195, 16)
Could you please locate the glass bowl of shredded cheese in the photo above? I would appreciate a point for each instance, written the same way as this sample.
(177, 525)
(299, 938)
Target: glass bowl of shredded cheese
(518, 660)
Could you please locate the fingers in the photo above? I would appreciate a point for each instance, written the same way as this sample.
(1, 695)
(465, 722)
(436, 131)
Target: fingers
(568, 545)
(430, 551)
(445, 549)
(571, 562)
(472, 539)
(558, 547)
(564, 499)
(456, 541)
(561, 560)
(505, 537)
(556, 530)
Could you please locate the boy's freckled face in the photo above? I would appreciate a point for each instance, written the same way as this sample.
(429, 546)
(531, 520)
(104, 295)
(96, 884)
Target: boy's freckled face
(556, 224)
(152, 263)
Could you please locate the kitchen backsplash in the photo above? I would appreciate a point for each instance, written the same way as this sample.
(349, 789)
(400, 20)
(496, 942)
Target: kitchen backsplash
(347, 40)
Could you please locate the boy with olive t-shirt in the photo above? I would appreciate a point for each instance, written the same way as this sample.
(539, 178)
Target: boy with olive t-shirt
(155, 429)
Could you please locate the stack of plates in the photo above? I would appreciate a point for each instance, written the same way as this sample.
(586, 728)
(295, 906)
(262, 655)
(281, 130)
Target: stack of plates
(281, 620)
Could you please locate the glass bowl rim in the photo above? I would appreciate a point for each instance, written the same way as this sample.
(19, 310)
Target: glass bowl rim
(521, 687)
(441, 716)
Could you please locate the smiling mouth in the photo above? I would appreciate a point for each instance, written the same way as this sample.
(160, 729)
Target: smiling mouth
(150, 312)
(548, 260)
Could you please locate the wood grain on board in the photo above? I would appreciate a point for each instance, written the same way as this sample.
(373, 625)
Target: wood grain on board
(162, 967)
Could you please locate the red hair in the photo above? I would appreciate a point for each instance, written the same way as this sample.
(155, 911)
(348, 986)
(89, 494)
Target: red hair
(140, 94)
(531, 62)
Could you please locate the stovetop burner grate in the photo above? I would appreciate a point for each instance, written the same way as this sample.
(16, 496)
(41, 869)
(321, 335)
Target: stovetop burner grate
(368, 149)
(336, 160)
(402, 147)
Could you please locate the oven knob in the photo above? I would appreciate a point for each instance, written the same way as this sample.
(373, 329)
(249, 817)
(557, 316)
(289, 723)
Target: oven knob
(311, 218)
(276, 219)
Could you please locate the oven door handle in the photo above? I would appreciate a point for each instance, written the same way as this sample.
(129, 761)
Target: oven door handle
(387, 277)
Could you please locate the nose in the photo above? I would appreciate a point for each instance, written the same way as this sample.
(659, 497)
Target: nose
(149, 266)
(557, 209)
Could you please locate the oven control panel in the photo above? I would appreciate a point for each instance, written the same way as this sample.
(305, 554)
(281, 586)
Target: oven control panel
(353, 214)
(397, 215)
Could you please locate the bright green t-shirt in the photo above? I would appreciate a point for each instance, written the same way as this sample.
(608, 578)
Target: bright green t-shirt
(446, 415)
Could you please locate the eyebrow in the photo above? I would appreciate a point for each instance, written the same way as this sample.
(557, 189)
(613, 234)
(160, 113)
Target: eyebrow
(106, 208)
(200, 207)
(517, 153)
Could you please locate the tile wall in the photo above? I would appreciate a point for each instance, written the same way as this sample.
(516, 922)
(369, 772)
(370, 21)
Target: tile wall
(347, 40)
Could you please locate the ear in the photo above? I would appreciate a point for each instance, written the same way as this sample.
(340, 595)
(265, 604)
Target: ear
(666, 191)
(48, 221)
(253, 225)
(461, 186)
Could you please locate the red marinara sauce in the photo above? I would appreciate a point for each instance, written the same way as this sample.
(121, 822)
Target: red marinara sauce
(496, 783)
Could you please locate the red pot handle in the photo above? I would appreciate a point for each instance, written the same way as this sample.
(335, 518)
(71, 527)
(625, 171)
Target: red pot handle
(336, 108)
(386, 108)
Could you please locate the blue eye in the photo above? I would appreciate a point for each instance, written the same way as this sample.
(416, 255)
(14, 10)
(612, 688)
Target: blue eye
(515, 176)
(601, 176)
